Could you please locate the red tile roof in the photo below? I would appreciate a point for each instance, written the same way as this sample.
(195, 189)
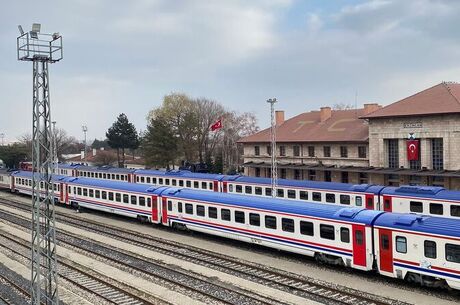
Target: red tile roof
(341, 126)
(440, 99)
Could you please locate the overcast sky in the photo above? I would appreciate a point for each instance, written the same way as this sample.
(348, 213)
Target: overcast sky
(124, 56)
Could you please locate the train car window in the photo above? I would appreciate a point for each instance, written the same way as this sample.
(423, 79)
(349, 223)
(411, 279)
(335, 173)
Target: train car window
(92, 175)
(270, 222)
(239, 188)
(141, 201)
(416, 207)
(189, 183)
(97, 194)
(239, 216)
(118, 177)
(345, 199)
(254, 219)
(453, 253)
(133, 199)
(344, 235)
(22, 182)
(280, 193)
(104, 195)
(268, 192)
(169, 204)
(154, 180)
(306, 228)
(30, 182)
(74, 190)
(401, 244)
(225, 214)
(113, 176)
(258, 190)
(436, 209)
(248, 189)
(188, 208)
(204, 185)
(104, 176)
(167, 182)
(327, 232)
(303, 195)
(316, 196)
(210, 185)
(230, 188)
(212, 212)
(330, 198)
(69, 190)
(287, 225)
(148, 180)
(160, 181)
(137, 179)
(200, 210)
(142, 179)
(179, 207)
(91, 193)
(100, 175)
(359, 237)
(455, 210)
(181, 182)
(149, 202)
(117, 197)
(196, 184)
(291, 194)
(110, 196)
(359, 201)
(125, 198)
(124, 177)
(429, 248)
(55, 187)
(85, 192)
(174, 182)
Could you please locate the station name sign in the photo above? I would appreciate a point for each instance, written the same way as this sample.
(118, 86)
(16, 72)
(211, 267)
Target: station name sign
(412, 125)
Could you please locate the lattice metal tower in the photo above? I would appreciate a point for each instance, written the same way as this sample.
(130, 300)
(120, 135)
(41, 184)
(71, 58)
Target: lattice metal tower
(274, 168)
(42, 49)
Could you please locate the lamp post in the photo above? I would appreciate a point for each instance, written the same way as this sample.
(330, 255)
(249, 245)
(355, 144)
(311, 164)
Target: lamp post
(274, 172)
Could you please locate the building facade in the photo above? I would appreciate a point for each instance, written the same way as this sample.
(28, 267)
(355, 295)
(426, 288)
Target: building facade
(368, 145)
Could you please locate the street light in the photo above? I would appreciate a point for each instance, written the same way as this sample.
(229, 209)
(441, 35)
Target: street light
(85, 130)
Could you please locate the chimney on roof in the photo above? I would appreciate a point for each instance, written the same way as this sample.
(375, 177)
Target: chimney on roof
(82, 154)
(325, 113)
(279, 117)
(371, 107)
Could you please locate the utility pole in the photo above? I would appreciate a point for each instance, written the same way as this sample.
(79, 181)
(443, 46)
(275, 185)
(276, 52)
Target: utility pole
(42, 49)
(274, 173)
(85, 130)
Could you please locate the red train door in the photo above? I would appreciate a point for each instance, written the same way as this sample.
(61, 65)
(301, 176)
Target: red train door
(386, 250)
(216, 186)
(225, 186)
(370, 201)
(155, 209)
(164, 210)
(387, 204)
(359, 245)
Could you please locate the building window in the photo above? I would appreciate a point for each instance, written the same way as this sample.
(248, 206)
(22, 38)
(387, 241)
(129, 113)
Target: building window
(327, 176)
(437, 154)
(311, 151)
(269, 150)
(344, 177)
(415, 180)
(392, 180)
(343, 151)
(297, 174)
(296, 149)
(362, 152)
(393, 153)
(327, 151)
(257, 150)
(311, 174)
(363, 178)
(436, 181)
(257, 170)
(283, 173)
(282, 151)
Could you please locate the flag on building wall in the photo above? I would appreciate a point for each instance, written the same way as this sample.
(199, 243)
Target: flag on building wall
(216, 125)
(413, 148)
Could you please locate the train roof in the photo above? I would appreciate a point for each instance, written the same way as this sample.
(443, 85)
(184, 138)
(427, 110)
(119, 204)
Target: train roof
(419, 223)
(370, 188)
(28, 174)
(181, 174)
(335, 212)
(69, 165)
(434, 192)
(106, 168)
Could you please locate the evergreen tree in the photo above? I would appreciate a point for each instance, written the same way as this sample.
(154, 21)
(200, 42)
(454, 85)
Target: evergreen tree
(122, 135)
(160, 145)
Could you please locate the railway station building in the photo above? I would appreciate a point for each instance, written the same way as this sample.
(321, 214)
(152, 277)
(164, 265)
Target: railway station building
(412, 141)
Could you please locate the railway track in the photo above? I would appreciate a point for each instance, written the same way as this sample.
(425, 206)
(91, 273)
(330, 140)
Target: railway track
(278, 279)
(11, 291)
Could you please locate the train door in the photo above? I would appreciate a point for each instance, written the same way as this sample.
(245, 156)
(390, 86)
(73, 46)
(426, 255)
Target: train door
(215, 186)
(387, 203)
(61, 193)
(164, 209)
(359, 245)
(225, 186)
(370, 202)
(13, 180)
(155, 209)
(67, 190)
(386, 250)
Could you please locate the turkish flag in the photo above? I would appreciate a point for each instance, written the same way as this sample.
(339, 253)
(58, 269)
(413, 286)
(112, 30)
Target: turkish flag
(413, 148)
(216, 125)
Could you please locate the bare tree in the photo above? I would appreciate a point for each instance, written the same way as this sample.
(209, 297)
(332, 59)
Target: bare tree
(104, 158)
(64, 142)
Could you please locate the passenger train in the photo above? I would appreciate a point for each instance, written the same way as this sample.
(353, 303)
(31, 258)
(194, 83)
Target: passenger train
(417, 248)
(427, 200)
